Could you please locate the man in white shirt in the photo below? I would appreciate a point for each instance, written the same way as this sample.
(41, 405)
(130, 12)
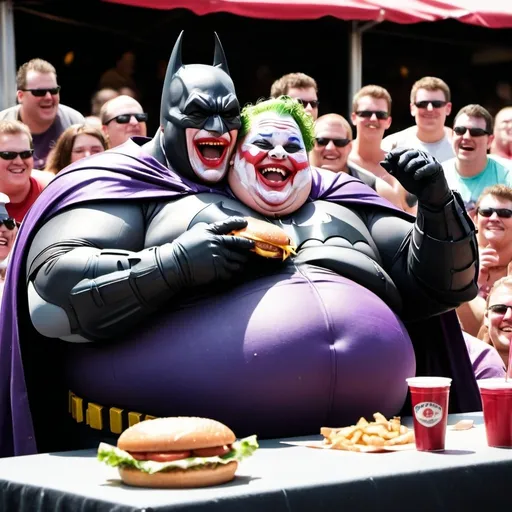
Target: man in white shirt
(430, 105)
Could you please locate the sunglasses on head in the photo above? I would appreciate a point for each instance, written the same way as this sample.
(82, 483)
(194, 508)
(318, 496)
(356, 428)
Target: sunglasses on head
(367, 114)
(434, 103)
(9, 223)
(11, 155)
(474, 132)
(39, 93)
(499, 309)
(503, 213)
(305, 103)
(339, 143)
(125, 118)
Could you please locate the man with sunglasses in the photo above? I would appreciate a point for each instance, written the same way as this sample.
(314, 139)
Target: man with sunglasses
(498, 319)
(39, 107)
(493, 220)
(430, 105)
(301, 87)
(333, 142)
(371, 115)
(16, 161)
(472, 171)
(123, 117)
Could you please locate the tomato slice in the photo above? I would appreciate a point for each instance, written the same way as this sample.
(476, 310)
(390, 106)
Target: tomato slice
(160, 457)
(212, 452)
(138, 455)
(167, 456)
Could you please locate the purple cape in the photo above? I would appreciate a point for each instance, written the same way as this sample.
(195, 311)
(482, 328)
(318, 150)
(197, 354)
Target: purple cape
(127, 173)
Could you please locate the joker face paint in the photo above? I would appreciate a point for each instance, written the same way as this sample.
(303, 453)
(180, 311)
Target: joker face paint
(271, 172)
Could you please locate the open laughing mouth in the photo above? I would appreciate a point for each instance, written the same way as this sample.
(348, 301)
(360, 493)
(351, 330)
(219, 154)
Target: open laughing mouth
(212, 150)
(273, 176)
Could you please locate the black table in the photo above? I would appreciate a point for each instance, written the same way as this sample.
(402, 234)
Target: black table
(467, 476)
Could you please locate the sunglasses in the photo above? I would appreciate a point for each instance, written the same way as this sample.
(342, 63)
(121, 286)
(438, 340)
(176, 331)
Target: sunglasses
(434, 103)
(11, 155)
(367, 114)
(499, 309)
(305, 103)
(503, 213)
(39, 93)
(339, 143)
(125, 118)
(474, 132)
(9, 223)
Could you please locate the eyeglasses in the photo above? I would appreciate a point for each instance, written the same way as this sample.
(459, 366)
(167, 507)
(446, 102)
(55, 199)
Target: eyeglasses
(305, 103)
(474, 132)
(339, 143)
(125, 118)
(499, 309)
(9, 223)
(503, 213)
(367, 114)
(39, 93)
(434, 103)
(11, 155)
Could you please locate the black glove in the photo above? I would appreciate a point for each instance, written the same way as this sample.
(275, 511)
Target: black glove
(420, 174)
(206, 253)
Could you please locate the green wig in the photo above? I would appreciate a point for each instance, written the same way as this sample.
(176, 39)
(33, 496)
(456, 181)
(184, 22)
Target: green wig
(284, 105)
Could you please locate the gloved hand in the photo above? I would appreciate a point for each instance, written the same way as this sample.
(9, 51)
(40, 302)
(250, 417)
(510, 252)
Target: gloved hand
(420, 174)
(206, 253)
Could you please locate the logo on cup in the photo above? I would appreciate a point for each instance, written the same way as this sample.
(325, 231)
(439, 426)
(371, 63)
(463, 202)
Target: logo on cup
(428, 414)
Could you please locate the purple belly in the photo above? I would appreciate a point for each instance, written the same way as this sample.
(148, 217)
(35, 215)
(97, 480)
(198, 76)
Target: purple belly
(279, 356)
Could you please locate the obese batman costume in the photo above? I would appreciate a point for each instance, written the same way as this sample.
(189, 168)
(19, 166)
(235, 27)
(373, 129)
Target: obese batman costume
(145, 305)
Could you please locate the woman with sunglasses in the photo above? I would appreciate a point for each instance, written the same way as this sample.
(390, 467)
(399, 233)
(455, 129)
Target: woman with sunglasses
(77, 142)
(493, 218)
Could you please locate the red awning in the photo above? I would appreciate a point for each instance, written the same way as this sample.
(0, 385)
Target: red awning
(487, 13)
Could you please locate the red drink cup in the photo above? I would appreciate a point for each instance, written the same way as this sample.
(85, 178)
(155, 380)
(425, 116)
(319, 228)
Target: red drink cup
(497, 407)
(429, 397)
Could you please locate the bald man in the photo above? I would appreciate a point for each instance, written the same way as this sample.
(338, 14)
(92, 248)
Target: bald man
(122, 118)
(502, 144)
(333, 143)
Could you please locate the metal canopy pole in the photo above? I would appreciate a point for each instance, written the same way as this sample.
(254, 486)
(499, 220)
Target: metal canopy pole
(7, 56)
(356, 55)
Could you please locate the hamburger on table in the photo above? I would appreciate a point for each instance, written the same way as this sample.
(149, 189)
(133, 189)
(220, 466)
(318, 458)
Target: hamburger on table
(177, 452)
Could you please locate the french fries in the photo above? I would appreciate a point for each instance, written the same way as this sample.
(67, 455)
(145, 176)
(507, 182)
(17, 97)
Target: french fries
(365, 436)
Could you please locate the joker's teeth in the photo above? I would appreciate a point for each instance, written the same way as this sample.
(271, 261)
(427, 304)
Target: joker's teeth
(274, 169)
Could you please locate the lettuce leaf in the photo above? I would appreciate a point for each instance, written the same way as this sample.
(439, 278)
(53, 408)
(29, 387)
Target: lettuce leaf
(113, 456)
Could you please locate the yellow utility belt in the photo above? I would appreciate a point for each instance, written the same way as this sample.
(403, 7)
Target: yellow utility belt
(100, 417)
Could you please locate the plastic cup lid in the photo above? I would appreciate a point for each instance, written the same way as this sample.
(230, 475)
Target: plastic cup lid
(429, 382)
(496, 383)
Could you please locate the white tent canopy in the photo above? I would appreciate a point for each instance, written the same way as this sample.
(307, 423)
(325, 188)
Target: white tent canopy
(7, 56)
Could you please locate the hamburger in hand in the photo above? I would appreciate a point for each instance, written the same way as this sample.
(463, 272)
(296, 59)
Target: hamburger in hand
(176, 453)
(270, 241)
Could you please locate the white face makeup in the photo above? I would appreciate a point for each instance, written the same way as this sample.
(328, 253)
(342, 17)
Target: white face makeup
(209, 154)
(271, 172)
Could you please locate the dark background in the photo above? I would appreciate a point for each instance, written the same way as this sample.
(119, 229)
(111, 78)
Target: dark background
(258, 52)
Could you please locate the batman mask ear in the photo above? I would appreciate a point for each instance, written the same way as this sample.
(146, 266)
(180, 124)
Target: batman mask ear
(219, 59)
(175, 62)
